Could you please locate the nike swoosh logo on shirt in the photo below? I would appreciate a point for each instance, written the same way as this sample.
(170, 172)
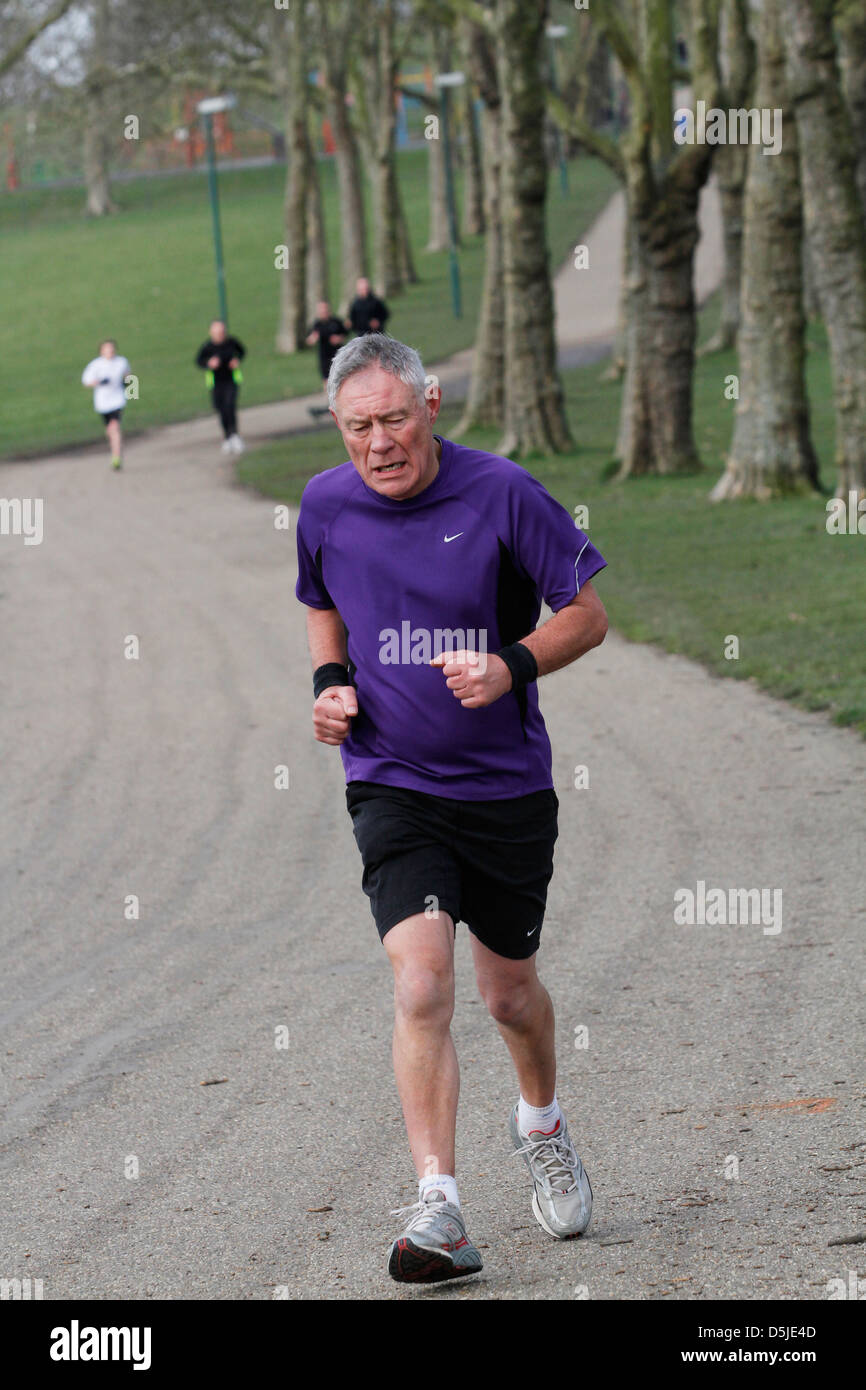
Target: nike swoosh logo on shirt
(453, 538)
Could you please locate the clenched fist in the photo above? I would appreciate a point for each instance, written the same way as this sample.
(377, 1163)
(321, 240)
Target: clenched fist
(332, 711)
(475, 679)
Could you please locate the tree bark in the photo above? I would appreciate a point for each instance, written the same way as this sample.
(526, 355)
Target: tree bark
(656, 433)
(485, 402)
(730, 168)
(771, 452)
(473, 182)
(407, 258)
(336, 28)
(317, 250)
(438, 208)
(386, 198)
(737, 61)
(833, 217)
(436, 194)
(615, 369)
(534, 404)
(851, 27)
(292, 65)
(98, 202)
(663, 183)
(15, 52)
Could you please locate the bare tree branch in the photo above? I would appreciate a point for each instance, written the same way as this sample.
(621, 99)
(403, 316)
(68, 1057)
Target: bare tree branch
(19, 48)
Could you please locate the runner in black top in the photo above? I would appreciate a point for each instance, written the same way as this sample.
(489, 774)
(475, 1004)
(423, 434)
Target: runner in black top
(221, 356)
(367, 313)
(330, 333)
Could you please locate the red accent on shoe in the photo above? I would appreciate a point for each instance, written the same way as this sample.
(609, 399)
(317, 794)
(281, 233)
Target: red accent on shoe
(546, 1132)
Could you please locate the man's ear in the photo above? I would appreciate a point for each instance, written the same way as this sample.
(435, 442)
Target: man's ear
(433, 401)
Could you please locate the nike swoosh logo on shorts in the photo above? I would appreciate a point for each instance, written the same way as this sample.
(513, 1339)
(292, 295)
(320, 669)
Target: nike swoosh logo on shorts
(453, 538)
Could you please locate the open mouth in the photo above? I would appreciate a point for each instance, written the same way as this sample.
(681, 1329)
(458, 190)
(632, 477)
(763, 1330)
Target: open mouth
(383, 470)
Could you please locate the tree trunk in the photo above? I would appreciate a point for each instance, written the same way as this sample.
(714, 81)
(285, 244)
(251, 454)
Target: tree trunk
(336, 29)
(96, 116)
(615, 369)
(407, 259)
(389, 258)
(663, 182)
(737, 61)
(473, 184)
(353, 230)
(534, 404)
(317, 250)
(438, 207)
(634, 430)
(98, 190)
(292, 326)
(771, 452)
(374, 93)
(730, 165)
(833, 218)
(656, 428)
(485, 402)
(851, 26)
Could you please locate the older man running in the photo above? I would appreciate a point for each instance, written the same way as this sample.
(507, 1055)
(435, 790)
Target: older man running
(423, 565)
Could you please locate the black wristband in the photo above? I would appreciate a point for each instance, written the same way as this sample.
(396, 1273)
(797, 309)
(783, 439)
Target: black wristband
(331, 673)
(521, 663)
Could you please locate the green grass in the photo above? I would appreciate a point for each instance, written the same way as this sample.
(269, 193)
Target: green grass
(146, 277)
(682, 572)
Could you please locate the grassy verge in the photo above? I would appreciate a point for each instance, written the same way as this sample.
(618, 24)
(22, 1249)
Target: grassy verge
(146, 277)
(682, 572)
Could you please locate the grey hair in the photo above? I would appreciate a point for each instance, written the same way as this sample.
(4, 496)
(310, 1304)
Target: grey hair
(375, 349)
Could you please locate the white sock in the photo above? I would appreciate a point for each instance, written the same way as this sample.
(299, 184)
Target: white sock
(543, 1117)
(441, 1182)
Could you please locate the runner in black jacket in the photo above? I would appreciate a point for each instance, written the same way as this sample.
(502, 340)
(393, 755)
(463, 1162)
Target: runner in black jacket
(329, 333)
(367, 313)
(221, 355)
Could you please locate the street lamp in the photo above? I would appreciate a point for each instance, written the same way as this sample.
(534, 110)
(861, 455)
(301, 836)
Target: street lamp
(207, 109)
(554, 32)
(445, 81)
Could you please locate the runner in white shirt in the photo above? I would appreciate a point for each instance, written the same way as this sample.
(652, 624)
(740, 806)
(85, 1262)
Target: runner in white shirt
(106, 376)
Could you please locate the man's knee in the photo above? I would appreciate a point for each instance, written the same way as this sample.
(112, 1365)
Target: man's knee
(422, 957)
(513, 1003)
(424, 991)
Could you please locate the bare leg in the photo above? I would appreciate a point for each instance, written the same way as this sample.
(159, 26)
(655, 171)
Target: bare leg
(421, 951)
(523, 1012)
(112, 429)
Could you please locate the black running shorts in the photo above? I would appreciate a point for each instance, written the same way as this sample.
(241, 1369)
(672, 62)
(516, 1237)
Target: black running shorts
(485, 863)
(109, 415)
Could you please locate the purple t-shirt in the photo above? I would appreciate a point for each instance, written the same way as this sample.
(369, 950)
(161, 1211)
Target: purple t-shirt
(465, 563)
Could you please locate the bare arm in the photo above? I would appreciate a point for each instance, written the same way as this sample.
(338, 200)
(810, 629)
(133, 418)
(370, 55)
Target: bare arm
(575, 629)
(326, 636)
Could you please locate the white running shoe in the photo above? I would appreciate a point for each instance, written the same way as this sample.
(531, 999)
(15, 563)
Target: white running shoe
(562, 1196)
(227, 446)
(236, 444)
(434, 1244)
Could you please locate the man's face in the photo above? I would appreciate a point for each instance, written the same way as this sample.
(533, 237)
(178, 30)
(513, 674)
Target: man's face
(363, 288)
(217, 331)
(107, 350)
(388, 432)
(323, 309)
